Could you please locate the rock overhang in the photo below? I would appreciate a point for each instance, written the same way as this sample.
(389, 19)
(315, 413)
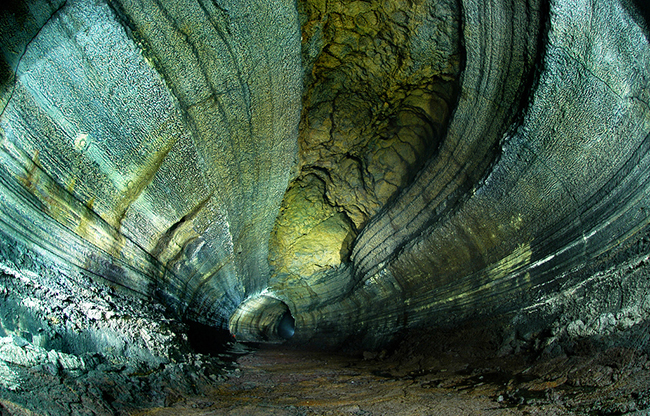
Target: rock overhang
(448, 163)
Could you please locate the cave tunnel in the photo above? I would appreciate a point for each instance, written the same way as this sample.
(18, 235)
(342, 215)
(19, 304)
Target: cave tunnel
(404, 207)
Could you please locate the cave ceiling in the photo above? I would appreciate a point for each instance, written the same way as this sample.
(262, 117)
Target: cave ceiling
(366, 166)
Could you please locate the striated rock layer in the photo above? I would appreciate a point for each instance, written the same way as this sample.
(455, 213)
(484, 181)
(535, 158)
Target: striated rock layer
(366, 166)
(150, 144)
(534, 179)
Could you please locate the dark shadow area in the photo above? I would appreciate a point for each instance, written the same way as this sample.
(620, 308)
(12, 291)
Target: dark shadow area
(287, 326)
(217, 343)
(639, 10)
(643, 7)
(208, 340)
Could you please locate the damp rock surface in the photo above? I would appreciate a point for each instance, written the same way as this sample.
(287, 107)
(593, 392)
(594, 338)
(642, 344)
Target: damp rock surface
(368, 168)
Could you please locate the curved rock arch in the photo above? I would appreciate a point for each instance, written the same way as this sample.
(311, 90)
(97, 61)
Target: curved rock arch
(149, 145)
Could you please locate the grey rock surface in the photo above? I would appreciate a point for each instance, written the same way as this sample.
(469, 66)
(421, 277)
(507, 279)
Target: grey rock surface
(370, 167)
(518, 199)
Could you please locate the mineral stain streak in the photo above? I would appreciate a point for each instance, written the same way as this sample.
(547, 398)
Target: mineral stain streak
(455, 191)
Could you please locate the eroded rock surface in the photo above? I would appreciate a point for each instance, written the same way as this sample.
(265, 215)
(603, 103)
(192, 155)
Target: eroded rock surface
(72, 345)
(378, 90)
(159, 152)
(380, 83)
(506, 213)
(362, 167)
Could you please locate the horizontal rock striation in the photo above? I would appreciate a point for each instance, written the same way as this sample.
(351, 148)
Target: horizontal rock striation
(448, 160)
(533, 180)
(154, 156)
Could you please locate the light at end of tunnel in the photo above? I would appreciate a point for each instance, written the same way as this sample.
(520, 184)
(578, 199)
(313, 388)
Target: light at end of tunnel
(287, 326)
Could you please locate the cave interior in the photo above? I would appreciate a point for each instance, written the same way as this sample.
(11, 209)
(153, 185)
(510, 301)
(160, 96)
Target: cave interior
(324, 207)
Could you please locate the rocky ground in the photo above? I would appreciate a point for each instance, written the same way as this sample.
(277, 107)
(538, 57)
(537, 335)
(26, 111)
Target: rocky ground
(72, 345)
(461, 372)
(77, 347)
(101, 386)
(446, 373)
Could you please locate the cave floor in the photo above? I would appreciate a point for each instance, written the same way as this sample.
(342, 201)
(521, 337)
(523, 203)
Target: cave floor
(286, 381)
(280, 380)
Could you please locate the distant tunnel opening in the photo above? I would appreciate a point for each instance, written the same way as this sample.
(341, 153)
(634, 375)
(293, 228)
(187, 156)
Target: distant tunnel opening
(287, 326)
(264, 319)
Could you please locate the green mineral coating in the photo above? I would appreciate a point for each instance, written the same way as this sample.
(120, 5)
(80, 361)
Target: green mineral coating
(368, 166)
(309, 234)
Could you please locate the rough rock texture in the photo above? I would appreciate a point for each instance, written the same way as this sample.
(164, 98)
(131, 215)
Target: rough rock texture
(449, 161)
(377, 95)
(507, 213)
(310, 234)
(72, 345)
(441, 372)
(160, 153)
(379, 86)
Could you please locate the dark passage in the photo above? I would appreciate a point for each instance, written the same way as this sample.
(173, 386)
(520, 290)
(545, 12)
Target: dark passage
(208, 340)
(287, 326)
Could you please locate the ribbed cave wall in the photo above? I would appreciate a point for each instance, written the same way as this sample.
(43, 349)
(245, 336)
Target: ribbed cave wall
(450, 161)
(150, 144)
(542, 170)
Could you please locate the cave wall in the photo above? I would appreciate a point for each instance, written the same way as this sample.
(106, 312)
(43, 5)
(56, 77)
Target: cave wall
(153, 156)
(368, 166)
(535, 178)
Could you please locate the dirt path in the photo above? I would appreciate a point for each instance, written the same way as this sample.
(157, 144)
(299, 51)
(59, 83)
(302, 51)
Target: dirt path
(284, 381)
